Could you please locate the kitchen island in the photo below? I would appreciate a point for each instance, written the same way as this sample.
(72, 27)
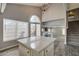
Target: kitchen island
(36, 46)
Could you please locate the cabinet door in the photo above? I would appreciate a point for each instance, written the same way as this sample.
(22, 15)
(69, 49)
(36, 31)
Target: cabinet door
(23, 51)
(35, 53)
(49, 51)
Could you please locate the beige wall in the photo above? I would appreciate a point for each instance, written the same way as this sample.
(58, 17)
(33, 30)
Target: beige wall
(16, 12)
(55, 11)
(21, 12)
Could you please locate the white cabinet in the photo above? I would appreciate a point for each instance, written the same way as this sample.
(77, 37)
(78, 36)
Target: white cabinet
(24, 51)
(35, 53)
(49, 51)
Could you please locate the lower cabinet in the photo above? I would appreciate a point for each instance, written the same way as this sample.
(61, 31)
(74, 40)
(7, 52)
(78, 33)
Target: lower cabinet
(35, 53)
(49, 51)
(24, 51)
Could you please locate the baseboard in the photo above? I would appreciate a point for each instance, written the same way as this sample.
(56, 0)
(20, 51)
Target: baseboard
(9, 47)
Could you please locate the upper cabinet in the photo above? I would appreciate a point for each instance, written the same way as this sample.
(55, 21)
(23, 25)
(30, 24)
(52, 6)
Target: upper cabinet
(73, 15)
(72, 12)
(73, 6)
(54, 11)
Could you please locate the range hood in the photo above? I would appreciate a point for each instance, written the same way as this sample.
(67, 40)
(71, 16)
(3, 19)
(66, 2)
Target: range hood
(2, 7)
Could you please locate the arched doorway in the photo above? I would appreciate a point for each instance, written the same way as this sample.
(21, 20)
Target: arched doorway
(35, 26)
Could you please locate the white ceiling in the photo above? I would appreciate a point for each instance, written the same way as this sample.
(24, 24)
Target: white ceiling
(33, 4)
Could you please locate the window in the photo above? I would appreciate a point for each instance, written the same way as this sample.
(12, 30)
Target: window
(38, 30)
(22, 29)
(13, 30)
(35, 26)
(9, 32)
(34, 19)
(33, 30)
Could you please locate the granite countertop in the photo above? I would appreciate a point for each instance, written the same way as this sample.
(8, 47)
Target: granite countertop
(37, 43)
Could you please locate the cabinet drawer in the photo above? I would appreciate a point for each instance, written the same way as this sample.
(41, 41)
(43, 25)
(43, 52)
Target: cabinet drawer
(24, 51)
(35, 53)
(49, 51)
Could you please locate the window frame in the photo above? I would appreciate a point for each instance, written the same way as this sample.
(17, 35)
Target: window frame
(35, 24)
(4, 29)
